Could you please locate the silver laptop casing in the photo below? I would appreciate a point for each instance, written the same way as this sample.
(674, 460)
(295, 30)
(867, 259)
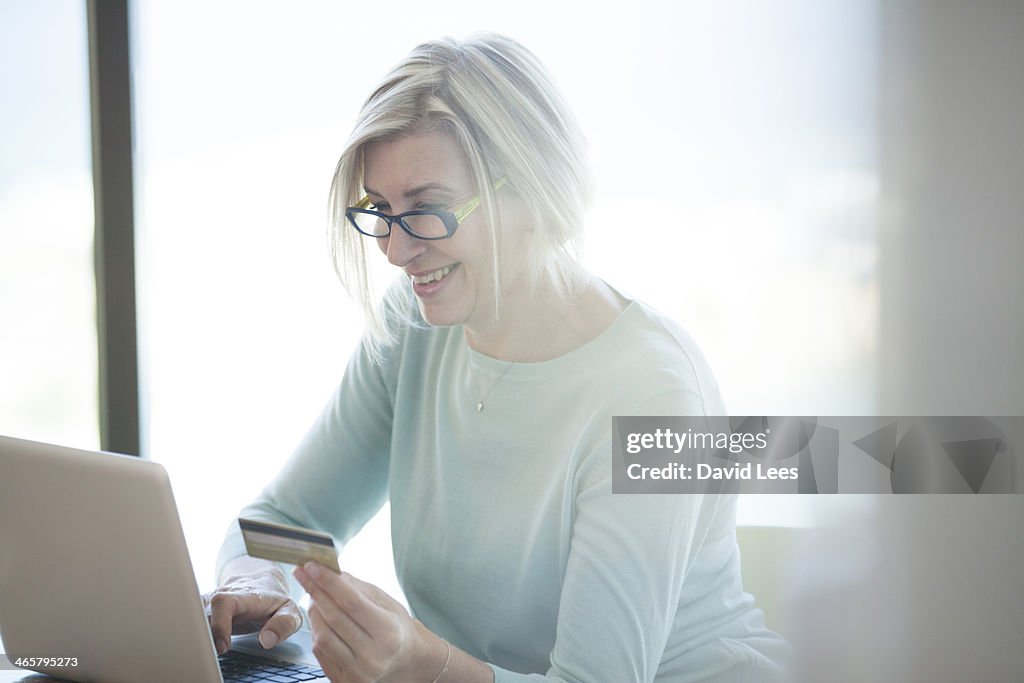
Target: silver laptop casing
(94, 566)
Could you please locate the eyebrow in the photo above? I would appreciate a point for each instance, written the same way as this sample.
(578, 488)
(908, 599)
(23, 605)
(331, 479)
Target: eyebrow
(416, 191)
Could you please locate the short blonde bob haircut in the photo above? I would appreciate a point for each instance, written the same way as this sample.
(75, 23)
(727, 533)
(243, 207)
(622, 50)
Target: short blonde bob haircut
(496, 100)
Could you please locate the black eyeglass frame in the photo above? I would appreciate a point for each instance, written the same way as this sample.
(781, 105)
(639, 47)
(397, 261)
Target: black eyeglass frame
(451, 219)
(451, 223)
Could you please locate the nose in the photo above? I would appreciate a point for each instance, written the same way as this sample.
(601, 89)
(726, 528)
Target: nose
(400, 247)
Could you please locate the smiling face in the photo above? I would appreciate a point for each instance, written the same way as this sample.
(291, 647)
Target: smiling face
(453, 278)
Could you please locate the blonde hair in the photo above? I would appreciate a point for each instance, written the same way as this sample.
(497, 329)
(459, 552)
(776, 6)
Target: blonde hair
(495, 99)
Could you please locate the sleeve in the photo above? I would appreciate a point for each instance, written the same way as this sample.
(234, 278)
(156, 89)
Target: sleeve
(628, 558)
(337, 478)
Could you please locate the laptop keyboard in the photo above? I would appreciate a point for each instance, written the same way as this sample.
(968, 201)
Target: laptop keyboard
(240, 667)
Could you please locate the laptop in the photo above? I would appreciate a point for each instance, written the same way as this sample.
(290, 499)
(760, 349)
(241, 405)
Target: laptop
(95, 576)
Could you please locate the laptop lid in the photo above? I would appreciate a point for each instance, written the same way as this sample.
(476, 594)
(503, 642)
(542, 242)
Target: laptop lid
(94, 567)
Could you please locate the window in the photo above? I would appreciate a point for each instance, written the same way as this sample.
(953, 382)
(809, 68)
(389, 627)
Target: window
(48, 366)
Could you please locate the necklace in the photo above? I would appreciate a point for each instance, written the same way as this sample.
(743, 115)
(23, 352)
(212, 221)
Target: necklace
(480, 403)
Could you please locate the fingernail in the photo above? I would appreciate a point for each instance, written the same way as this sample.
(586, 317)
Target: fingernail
(314, 569)
(268, 639)
(221, 647)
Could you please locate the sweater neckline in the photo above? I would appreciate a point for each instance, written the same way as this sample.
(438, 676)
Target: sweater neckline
(586, 354)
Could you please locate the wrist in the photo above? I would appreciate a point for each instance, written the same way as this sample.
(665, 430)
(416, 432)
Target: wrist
(434, 656)
(447, 660)
(245, 568)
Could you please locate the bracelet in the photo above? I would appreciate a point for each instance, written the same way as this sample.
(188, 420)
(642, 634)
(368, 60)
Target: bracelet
(447, 660)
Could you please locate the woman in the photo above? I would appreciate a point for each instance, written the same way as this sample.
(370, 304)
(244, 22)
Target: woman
(480, 404)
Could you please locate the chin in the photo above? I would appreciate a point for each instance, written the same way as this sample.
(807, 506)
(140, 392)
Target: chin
(440, 316)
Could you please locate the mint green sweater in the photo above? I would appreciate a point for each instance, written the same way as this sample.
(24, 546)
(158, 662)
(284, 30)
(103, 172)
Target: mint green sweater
(507, 539)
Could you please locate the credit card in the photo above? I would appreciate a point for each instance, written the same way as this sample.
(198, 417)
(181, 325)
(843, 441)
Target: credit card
(288, 544)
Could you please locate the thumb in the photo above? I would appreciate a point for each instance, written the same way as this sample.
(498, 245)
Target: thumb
(283, 624)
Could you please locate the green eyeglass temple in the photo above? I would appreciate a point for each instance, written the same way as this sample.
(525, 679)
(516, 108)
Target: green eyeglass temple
(460, 213)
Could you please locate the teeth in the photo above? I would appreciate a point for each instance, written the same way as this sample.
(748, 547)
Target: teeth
(431, 277)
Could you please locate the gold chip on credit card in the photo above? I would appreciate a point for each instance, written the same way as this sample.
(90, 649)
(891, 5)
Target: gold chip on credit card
(289, 544)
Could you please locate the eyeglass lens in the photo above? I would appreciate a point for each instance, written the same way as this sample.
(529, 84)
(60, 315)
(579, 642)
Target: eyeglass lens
(423, 225)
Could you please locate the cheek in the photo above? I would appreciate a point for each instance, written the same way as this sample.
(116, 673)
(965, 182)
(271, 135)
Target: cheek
(514, 255)
(472, 246)
(382, 244)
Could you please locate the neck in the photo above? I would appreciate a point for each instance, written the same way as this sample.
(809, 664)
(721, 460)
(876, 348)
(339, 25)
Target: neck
(546, 325)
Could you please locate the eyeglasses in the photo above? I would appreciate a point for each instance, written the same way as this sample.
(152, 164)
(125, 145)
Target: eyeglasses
(421, 223)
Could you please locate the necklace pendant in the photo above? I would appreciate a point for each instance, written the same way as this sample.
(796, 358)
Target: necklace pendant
(484, 395)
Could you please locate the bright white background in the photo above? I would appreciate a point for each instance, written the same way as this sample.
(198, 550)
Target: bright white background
(48, 382)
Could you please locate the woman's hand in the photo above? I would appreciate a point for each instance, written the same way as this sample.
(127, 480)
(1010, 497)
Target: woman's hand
(253, 597)
(360, 633)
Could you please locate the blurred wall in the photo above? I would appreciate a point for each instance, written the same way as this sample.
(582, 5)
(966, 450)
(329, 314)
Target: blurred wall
(927, 588)
(952, 207)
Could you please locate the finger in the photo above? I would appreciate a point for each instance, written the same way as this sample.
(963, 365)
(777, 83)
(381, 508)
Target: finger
(284, 622)
(222, 614)
(334, 615)
(334, 656)
(347, 596)
(374, 593)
